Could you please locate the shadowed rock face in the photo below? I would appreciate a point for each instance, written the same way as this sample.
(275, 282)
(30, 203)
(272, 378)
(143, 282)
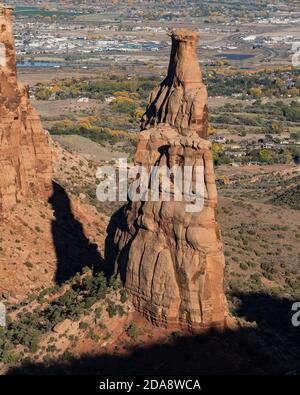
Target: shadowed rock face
(172, 260)
(25, 156)
(181, 99)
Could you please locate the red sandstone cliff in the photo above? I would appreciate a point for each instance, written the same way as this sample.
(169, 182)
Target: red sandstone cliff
(25, 156)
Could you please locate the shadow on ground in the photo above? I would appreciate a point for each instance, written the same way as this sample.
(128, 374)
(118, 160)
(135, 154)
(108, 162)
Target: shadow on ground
(73, 249)
(270, 347)
(116, 262)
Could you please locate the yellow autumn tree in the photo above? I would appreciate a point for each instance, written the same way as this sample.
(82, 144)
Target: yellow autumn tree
(138, 113)
(255, 91)
(211, 129)
(293, 91)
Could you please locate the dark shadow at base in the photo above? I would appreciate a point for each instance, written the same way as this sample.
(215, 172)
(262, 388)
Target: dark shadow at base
(270, 346)
(115, 260)
(73, 249)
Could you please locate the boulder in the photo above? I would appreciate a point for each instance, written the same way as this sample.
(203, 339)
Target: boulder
(63, 326)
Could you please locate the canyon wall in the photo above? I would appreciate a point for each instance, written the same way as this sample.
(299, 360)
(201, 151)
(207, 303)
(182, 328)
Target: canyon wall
(25, 155)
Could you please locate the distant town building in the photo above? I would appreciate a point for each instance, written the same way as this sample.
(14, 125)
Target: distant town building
(109, 99)
(218, 139)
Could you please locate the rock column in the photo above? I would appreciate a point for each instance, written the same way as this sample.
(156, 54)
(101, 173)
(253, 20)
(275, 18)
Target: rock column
(25, 155)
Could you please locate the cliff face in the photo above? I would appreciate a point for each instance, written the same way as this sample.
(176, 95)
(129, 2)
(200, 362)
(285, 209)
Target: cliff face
(181, 99)
(25, 156)
(171, 259)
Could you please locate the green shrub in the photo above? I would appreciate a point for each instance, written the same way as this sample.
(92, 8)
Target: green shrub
(28, 264)
(268, 267)
(133, 331)
(111, 309)
(98, 312)
(123, 295)
(83, 325)
(243, 266)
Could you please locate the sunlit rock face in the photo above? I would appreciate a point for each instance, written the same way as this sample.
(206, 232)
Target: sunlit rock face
(25, 156)
(170, 256)
(181, 99)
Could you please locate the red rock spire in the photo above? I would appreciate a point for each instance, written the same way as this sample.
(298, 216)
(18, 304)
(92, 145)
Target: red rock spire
(181, 99)
(172, 260)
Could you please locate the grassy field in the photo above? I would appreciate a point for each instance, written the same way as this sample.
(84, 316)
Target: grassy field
(36, 11)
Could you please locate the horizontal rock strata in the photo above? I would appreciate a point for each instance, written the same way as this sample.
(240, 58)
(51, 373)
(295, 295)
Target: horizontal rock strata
(25, 156)
(169, 253)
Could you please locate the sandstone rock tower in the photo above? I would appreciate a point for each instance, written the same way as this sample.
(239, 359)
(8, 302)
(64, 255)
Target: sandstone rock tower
(171, 259)
(25, 156)
(181, 99)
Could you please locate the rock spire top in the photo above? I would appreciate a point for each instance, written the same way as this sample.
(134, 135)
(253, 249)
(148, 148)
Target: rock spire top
(181, 99)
